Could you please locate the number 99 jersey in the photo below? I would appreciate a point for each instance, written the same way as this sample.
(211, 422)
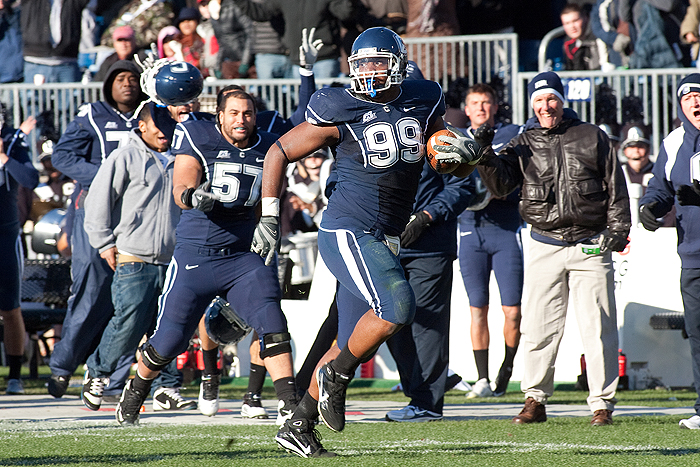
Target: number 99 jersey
(236, 177)
(380, 153)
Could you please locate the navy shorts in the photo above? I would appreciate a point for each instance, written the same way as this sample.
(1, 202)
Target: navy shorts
(370, 276)
(197, 275)
(12, 260)
(485, 248)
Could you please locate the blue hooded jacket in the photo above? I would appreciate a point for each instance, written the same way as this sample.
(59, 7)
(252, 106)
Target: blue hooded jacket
(679, 152)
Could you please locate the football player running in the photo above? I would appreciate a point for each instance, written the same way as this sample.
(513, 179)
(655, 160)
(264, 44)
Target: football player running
(216, 181)
(377, 131)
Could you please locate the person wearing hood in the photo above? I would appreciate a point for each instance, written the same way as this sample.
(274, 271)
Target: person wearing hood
(98, 129)
(130, 218)
(574, 196)
(675, 183)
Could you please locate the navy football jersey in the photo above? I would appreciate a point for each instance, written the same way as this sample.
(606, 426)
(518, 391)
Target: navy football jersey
(96, 131)
(236, 177)
(380, 153)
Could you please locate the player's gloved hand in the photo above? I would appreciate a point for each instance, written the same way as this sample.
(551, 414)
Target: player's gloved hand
(613, 241)
(200, 198)
(484, 135)
(460, 149)
(266, 238)
(308, 50)
(689, 195)
(415, 227)
(647, 216)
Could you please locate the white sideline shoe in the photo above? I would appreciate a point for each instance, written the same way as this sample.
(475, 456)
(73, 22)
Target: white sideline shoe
(481, 388)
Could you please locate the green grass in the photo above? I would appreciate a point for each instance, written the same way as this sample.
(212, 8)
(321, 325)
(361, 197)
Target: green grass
(566, 441)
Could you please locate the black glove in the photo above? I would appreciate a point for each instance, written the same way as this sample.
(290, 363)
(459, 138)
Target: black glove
(613, 241)
(266, 238)
(201, 198)
(647, 216)
(415, 227)
(484, 135)
(689, 195)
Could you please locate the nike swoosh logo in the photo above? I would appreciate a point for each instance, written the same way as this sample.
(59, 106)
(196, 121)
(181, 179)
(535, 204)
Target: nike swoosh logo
(188, 267)
(93, 399)
(305, 449)
(258, 159)
(463, 234)
(496, 146)
(168, 404)
(408, 109)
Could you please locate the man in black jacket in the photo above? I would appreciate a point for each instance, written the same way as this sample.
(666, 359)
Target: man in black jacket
(575, 199)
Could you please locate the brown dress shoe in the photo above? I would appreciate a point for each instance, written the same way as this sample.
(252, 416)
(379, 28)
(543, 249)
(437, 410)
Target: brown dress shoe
(602, 417)
(533, 412)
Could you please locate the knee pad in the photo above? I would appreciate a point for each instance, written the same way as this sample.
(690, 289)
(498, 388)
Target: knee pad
(152, 359)
(275, 344)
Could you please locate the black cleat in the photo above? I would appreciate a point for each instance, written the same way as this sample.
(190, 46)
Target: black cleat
(58, 385)
(331, 396)
(299, 437)
(129, 406)
(502, 381)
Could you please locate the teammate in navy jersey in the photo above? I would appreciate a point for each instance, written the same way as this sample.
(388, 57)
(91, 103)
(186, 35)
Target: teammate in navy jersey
(99, 128)
(377, 131)
(216, 181)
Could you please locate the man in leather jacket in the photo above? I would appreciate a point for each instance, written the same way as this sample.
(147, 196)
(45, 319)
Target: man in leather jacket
(575, 199)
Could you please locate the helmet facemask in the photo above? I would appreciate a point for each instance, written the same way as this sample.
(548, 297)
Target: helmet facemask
(367, 68)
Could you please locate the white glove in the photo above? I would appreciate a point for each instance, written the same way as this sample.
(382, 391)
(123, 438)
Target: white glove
(266, 238)
(460, 149)
(308, 50)
(214, 8)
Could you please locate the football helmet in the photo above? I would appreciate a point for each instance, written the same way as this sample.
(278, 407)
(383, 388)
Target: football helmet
(377, 61)
(223, 324)
(172, 83)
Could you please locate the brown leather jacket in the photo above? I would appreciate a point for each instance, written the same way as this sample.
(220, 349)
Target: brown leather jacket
(572, 184)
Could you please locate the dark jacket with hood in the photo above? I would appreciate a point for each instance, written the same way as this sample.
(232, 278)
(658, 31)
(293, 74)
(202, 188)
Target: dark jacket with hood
(98, 129)
(673, 167)
(573, 187)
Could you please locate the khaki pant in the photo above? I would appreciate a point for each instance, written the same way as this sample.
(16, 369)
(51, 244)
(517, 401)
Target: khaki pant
(551, 274)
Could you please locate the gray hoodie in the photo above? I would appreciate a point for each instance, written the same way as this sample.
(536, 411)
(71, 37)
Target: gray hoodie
(130, 204)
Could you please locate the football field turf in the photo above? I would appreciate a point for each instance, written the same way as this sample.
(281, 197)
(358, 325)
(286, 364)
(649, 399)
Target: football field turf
(649, 440)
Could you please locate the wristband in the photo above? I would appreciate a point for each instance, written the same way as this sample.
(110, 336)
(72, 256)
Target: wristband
(186, 197)
(270, 206)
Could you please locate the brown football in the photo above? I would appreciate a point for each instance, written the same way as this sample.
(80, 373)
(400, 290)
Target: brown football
(430, 153)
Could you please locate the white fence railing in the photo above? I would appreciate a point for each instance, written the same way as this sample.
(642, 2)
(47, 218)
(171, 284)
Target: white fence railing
(477, 58)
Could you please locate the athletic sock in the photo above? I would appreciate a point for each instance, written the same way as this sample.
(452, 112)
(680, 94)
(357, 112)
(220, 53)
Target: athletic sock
(286, 389)
(481, 357)
(15, 364)
(211, 361)
(345, 363)
(510, 357)
(142, 384)
(256, 378)
(307, 408)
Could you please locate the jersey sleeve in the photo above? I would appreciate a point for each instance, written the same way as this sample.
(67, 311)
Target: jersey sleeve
(188, 138)
(331, 106)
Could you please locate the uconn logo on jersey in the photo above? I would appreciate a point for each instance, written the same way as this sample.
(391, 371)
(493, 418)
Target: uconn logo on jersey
(385, 143)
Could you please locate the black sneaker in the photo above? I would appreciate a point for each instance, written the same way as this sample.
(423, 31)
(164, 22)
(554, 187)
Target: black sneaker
(299, 437)
(92, 391)
(502, 381)
(331, 396)
(170, 399)
(129, 406)
(58, 385)
(209, 394)
(252, 406)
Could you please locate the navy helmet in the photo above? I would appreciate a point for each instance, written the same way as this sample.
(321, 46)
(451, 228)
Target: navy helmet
(386, 50)
(223, 324)
(177, 83)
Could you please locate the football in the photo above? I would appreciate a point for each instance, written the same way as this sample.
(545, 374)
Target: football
(430, 153)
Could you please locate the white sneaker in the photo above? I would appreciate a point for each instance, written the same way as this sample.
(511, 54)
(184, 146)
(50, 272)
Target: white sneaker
(14, 387)
(481, 388)
(209, 394)
(411, 413)
(252, 406)
(692, 423)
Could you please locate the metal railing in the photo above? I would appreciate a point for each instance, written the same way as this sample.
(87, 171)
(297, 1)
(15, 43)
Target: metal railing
(656, 89)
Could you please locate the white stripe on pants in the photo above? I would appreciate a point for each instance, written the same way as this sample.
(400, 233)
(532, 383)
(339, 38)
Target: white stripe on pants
(551, 274)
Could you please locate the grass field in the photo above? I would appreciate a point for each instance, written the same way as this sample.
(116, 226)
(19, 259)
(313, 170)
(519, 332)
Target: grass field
(631, 441)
